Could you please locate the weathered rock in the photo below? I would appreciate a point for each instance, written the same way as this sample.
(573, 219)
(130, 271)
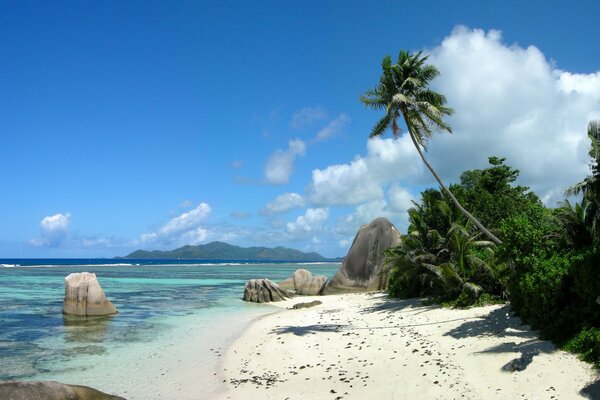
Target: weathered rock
(287, 284)
(472, 290)
(361, 270)
(84, 296)
(264, 291)
(47, 390)
(308, 285)
(309, 304)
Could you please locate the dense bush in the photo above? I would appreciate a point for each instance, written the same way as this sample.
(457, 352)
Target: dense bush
(587, 344)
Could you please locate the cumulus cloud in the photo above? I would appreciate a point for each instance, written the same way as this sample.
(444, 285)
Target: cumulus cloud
(512, 102)
(186, 228)
(280, 165)
(54, 230)
(393, 207)
(364, 178)
(509, 101)
(307, 117)
(311, 221)
(333, 128)
(283, 203)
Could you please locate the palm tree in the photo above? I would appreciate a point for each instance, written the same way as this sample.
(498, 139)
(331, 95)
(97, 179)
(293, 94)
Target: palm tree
(403, 92)
(590, 186)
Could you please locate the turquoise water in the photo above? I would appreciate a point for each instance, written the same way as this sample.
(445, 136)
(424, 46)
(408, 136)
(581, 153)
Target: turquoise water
(158, 303)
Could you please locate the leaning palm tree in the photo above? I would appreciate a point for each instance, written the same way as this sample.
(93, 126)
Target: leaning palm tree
(403, 92)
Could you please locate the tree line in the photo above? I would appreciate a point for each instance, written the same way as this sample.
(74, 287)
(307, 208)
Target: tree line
(487, 239)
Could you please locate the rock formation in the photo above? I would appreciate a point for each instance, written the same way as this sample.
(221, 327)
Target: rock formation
(84, 296)
(361, 268)
(264, 291)
(304, 283)
(287, 284)
(309, 304)
(41, 390)
(308, 285)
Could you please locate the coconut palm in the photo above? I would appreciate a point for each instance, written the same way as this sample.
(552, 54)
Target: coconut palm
(590, 186)
(403, 92)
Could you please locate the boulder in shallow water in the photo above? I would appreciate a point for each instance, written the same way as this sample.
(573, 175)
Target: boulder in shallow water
(361, 270)
(84, 296)
(46, 390)
(264, 291)
(306, 284)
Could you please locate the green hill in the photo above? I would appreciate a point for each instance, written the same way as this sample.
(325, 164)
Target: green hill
(225, 251)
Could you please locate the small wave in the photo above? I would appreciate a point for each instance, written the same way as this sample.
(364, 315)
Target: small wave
(9, 265)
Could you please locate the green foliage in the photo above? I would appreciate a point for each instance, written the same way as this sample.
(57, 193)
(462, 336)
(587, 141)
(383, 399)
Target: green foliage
(403, 92)
(587, 344)
(548, 264)
(491, 195)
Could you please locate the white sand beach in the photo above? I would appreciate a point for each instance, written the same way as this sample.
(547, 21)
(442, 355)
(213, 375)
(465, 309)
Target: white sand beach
(361, 346)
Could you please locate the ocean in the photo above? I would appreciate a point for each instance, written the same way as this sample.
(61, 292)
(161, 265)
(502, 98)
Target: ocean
(174, 315)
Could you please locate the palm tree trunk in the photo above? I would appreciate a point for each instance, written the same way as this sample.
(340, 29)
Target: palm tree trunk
(467, 214)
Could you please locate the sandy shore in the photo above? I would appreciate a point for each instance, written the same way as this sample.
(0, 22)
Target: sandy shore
(363, 346)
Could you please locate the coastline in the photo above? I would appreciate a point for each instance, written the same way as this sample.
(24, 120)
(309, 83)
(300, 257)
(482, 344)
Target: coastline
(183, 363)
(357, 346)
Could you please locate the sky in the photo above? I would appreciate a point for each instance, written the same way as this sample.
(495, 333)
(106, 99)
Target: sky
(152, 125)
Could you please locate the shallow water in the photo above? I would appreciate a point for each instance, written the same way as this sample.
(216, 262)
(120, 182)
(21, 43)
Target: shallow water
(164, 310)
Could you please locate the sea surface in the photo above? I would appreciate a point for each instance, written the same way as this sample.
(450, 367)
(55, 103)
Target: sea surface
(163, 305)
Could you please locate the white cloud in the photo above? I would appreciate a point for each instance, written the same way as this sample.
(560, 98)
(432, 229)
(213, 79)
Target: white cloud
(509, 101)
(364, 178)
(512, 102)
(399, 199)
(184, 229)
(307, 117)
(312, 220)
(55, 230)
(333, 128)
(280, 165)
(283, 203)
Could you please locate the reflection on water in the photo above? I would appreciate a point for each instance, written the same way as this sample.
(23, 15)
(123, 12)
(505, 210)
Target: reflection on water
(37, 339)
(86, 329)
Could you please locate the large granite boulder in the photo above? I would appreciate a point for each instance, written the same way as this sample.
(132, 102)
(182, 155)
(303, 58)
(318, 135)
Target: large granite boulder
(308, 285)
(84, 296)
(361, 270)
(288, 284)
(264, 291)
(41, 390)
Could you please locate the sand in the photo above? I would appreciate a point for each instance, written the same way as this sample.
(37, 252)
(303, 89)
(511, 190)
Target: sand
(366, 346)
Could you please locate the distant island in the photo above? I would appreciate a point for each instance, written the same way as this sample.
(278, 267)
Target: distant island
(226, 251)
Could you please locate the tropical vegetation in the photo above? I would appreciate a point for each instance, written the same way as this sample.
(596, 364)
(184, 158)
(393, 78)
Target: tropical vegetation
(547, 262)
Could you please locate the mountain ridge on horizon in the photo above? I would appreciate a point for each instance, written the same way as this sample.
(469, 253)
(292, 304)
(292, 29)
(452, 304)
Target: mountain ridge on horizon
(225, 251)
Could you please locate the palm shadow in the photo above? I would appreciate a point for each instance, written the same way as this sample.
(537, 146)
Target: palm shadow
(528, 350)
(591, 391)
(501, 324)
(308, 329)
(383, 303)
(498, 323)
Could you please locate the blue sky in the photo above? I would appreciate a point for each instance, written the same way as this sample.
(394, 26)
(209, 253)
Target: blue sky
(151, 125)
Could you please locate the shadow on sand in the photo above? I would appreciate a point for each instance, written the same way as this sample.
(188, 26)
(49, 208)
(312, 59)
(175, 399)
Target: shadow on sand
(499, 323)
(309, 329)
(384, 303)
(591, 391)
